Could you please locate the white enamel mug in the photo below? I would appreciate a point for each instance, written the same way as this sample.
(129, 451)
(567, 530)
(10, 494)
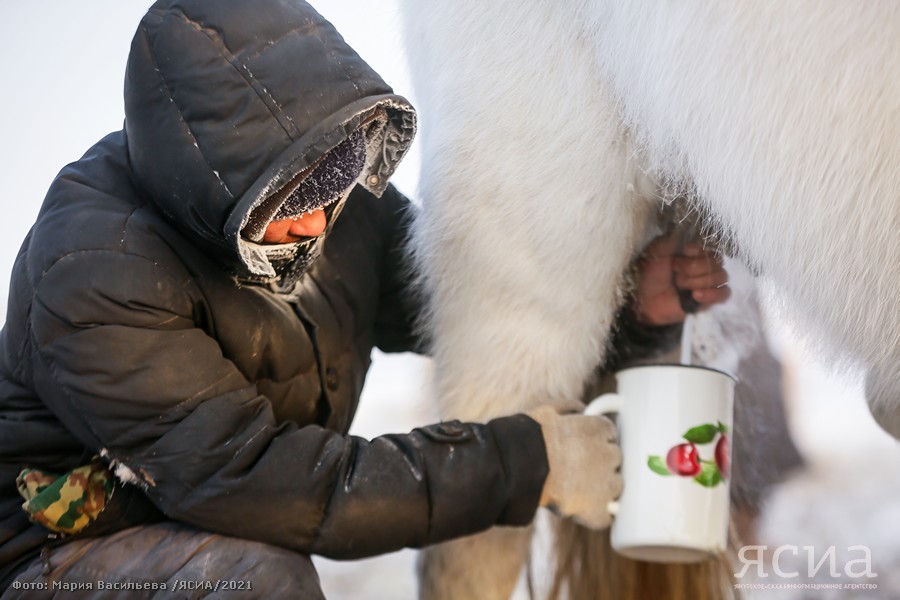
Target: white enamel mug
(674, 424)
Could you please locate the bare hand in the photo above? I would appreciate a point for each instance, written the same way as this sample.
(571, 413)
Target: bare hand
(662, 273)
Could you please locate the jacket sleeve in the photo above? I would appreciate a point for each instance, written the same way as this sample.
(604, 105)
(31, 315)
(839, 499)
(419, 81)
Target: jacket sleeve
(137, 382)
(631, 341)
(400, 303)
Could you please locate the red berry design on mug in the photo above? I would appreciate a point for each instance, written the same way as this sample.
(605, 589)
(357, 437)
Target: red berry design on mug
(684, 460)
(723, 459)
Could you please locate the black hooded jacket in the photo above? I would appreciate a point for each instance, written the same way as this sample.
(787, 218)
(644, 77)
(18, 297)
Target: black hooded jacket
(142, 328)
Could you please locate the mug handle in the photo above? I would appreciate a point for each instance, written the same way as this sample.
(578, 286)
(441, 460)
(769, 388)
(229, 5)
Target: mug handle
(603, 405)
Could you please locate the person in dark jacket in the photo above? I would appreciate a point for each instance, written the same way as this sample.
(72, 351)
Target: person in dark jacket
(185, 352)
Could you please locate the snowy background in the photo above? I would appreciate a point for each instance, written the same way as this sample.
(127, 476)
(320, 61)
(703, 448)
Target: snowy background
(62, 91)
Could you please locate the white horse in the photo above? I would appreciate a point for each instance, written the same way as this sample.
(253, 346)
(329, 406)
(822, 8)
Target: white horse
(541, 123)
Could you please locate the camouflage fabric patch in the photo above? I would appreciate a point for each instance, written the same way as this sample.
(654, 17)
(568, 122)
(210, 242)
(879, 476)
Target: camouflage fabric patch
(65, 503)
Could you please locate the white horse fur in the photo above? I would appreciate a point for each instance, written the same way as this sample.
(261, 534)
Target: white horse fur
(541, 122)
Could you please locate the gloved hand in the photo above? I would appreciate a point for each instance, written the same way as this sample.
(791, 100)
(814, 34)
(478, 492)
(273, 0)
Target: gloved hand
(583, 456)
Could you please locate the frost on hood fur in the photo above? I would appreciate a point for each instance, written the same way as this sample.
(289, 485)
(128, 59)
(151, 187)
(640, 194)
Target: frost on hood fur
(326, 184)
(287, 90)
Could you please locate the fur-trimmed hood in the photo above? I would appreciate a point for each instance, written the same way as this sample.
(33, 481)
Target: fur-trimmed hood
(228, 102)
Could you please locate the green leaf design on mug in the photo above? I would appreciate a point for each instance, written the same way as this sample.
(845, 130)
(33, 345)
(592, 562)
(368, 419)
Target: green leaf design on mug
(709, 474)
(702, 434)
(658, 465)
